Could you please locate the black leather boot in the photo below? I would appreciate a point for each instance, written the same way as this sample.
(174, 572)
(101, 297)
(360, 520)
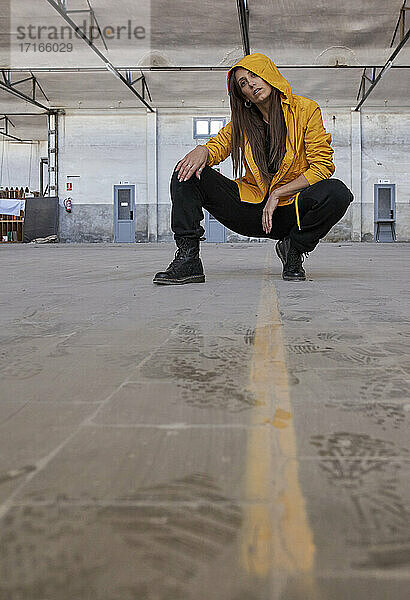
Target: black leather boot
(292, 269)
(282, 249)
(186, 266)
(291, 259)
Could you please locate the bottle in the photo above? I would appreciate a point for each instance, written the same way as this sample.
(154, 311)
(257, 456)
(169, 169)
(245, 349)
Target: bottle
(7, 192)
(21, 192)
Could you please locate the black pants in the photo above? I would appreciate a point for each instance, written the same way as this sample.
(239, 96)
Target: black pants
(321, 205)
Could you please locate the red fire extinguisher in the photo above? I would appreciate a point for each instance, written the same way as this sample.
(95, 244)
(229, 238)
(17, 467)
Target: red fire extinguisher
(67, 204)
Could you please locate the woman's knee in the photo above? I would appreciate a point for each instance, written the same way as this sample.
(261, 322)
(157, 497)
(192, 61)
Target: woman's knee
(340, 192)
(175, 181)
(177, 187)
(175, 174)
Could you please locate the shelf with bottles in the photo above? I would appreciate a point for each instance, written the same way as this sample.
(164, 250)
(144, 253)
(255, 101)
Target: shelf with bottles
(19, 193)
(11, 228)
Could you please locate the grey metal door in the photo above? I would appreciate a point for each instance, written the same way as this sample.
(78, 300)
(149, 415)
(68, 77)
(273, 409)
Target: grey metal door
(124, 211)
(384, 212)
(214, 230)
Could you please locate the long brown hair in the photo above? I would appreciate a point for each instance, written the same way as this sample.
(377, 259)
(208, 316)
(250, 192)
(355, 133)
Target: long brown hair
(249, 121)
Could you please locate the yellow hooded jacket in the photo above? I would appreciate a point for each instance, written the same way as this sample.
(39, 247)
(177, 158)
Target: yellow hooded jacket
(308, 149)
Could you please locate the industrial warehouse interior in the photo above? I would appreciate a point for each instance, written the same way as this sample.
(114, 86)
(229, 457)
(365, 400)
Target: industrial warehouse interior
(241, 438)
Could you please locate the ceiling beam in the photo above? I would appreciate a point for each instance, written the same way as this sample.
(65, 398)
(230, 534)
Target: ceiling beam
(9, 86)
(401, 22)
(243, 15)
(388, 65)
(13, 137)
(60, 7)
(91, 12)
(6, 127)
(190, 68)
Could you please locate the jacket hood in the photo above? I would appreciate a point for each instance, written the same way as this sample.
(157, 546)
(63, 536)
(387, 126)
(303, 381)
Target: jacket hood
(264, 67)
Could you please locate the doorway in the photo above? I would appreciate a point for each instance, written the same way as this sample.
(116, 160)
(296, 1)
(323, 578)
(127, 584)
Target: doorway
(384, 212)
(214, 230)
(124, 211)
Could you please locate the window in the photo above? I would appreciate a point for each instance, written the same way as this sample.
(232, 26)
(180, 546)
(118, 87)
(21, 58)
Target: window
(206, 127)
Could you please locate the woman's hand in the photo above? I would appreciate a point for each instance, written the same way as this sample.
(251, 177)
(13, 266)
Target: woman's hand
(270, 206)
(193, 162)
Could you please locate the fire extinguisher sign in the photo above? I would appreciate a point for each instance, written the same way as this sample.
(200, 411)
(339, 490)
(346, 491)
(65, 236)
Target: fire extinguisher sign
(69, 186)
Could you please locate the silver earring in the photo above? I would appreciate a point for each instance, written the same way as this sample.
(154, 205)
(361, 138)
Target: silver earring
(248, 103)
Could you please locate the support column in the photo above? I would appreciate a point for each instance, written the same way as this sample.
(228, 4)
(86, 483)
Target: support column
(152, 175)
(356, 161)
(53, 153)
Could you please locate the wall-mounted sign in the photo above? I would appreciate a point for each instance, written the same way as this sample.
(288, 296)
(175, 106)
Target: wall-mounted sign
(69, 186)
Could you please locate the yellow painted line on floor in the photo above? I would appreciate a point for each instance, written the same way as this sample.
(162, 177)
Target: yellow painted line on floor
(276, 533)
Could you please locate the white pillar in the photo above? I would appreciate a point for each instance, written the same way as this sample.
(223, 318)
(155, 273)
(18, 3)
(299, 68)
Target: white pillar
(152, 175)
(356, 156)
(53, 153)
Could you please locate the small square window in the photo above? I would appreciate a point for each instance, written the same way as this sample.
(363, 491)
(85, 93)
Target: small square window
(216, 126)
(202, 127)
(205, 128)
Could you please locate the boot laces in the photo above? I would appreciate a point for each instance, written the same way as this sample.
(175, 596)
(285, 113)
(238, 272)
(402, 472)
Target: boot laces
(178, 258)
(295, 259)
(186, 251)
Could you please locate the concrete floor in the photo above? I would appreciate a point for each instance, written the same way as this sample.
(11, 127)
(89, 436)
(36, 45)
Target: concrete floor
(243, 439)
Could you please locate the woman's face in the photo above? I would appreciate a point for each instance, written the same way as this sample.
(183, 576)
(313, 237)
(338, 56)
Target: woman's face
(253, 87)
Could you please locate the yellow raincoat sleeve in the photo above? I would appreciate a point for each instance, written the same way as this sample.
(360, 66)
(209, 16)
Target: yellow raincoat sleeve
(219, 146)
(318, 150)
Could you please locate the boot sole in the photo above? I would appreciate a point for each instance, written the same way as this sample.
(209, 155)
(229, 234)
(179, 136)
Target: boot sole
(287, 278)
(191, 279)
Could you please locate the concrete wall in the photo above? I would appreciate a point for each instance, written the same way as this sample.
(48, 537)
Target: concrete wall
(385, 155)
(100, 150)
(338, 124)
(174, 141)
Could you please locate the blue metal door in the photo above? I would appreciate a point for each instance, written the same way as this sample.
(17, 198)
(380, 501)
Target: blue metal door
(124, 211)
(214, 230)
(384, 212)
